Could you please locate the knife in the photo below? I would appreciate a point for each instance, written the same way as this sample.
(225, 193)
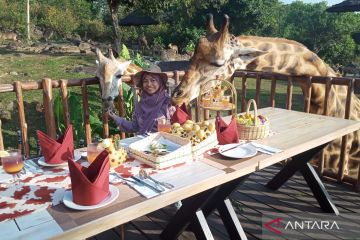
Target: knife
(156, 189)
(231, 148)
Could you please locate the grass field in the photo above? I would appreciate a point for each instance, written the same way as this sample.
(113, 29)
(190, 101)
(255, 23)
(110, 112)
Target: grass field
(34, 67)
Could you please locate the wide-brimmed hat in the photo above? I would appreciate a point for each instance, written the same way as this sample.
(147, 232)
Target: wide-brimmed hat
(154, 69)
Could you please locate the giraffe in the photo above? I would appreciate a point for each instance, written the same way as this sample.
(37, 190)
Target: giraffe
(109, 72)
(219, 54)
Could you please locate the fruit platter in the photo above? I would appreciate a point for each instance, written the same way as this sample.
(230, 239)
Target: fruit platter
(202, 135)
(252, 126)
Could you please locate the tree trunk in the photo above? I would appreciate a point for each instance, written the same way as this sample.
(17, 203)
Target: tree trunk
(28, 18)
(115, 28)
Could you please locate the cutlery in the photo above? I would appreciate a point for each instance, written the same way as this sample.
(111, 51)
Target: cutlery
(232, 148)
(157, 188)
(145, 175)
(265, 148)
(122, 178)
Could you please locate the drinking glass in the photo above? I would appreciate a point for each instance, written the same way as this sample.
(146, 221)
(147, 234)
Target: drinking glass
(225, 101)
(163, 125)
(93, 150)
(13, 164)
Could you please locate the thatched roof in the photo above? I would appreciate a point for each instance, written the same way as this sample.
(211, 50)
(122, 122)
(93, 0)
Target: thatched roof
(345, 6)
(136, 18)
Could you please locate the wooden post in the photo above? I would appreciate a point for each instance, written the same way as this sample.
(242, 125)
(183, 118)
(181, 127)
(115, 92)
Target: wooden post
(1, 138)
(257, 91)
(243, 93)
(22, 121)
(307, 95)
(121, 107)
(289, 93)
(273, 91)
(86, 112)
(327, 93)
(64, 98)
(344, 139)
(48, 107)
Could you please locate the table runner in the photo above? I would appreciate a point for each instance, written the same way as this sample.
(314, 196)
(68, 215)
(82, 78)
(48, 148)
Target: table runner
(47, 188)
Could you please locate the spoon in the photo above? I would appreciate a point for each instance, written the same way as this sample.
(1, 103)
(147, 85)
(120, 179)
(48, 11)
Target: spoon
(145, 175)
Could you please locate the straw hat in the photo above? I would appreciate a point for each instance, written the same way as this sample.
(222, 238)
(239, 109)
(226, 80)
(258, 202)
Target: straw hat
(154, 69)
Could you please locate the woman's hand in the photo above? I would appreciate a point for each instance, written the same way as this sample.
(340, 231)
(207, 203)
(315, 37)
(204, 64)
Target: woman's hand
(111, 114)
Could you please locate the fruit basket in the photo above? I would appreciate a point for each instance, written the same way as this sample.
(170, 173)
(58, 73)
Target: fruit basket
(161, 150)
(202, 135)
(252, 126)
(217, 95)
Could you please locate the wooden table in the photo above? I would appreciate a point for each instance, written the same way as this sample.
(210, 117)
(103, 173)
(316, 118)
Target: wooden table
(205, 185)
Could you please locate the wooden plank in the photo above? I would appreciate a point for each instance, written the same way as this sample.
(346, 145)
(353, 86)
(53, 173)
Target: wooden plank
(65, 104)
(1, 137)
(22, 121)
(49, 107)
(85, 101)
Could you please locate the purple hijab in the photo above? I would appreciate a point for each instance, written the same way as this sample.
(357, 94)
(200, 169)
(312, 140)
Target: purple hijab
(149, 107)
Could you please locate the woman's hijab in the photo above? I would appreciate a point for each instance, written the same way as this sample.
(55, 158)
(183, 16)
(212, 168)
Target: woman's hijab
(149, 106)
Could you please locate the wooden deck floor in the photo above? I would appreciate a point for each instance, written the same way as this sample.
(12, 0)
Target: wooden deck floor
(251, 200)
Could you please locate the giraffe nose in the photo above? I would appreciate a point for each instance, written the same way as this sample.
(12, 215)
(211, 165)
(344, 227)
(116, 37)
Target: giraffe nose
(108, 99)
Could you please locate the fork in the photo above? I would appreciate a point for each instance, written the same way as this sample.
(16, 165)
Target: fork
(145, 175)
(122, 178)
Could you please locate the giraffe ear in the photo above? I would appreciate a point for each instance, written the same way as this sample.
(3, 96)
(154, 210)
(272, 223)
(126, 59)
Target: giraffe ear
(124, 66)
(249, 54)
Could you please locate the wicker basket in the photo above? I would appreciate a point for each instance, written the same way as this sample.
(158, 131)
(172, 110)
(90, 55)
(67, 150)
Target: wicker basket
(256, 131)
(180, 155)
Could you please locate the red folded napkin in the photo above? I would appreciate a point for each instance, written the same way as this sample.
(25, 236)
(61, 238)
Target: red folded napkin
(180, 115)
(57, 151)
(90, 185)
(226, 133)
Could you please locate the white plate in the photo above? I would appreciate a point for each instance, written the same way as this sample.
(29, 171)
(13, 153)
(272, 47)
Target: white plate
(68, 200)
(242, 151)
(41, 161)
(84, 154)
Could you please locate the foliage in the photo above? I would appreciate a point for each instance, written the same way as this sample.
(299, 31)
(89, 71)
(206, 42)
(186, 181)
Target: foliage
(190, 47)
(158, 41)
(138, 60)
(128, 101)
(125, 52)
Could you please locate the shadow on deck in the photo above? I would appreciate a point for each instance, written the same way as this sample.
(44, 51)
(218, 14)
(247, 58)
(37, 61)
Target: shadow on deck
(252, 201)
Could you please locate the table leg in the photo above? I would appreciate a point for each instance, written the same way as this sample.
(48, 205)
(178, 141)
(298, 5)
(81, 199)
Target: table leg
(189, 213)
(300, 163)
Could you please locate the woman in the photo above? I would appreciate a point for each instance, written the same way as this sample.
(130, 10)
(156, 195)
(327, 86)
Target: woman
(155, 103)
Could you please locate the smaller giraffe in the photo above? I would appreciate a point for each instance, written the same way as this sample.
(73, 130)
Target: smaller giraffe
(109, 72)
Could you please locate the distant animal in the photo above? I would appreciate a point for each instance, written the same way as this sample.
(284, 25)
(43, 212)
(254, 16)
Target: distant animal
(173, 47)
(143, 43)
(8, 36)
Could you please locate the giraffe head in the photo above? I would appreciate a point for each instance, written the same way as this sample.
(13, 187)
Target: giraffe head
(216, 56)
(109, 72)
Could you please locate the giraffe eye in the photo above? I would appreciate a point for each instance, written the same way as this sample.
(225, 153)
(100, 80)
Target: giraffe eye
(119, 76)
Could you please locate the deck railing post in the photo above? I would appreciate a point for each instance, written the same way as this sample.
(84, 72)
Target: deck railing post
(48, 107)
(1, 137)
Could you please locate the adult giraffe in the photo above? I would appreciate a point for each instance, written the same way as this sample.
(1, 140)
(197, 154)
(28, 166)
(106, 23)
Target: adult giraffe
(220, 53)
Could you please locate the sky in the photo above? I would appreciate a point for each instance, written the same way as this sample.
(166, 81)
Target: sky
(330, 2)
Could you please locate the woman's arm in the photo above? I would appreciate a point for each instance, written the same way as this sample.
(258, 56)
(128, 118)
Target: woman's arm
(123, 124)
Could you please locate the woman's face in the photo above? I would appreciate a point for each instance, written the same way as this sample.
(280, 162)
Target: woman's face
(150, 84)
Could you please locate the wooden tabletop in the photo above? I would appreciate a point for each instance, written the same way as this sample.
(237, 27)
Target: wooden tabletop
(293, 132)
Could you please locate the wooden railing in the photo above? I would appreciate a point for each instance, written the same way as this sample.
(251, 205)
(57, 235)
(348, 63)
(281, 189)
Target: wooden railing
(47, 86)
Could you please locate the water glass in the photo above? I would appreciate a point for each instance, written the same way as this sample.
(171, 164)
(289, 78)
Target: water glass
(93, 150)
(163, 125)
(12, 164)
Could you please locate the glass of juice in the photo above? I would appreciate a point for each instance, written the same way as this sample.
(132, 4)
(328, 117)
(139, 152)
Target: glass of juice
(13, 163)
(206, 100)
(93, 150)
(164, 125)
(225, 101)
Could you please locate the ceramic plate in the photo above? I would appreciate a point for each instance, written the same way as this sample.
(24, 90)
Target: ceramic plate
(41, 161)
(68, 200)
(241, 151)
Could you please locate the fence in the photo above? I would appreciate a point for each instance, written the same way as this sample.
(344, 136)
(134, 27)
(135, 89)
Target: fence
(47, 86)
